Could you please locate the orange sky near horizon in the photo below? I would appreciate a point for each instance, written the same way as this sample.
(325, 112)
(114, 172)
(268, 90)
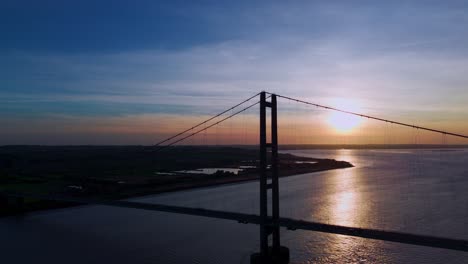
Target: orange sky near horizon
(300, 125)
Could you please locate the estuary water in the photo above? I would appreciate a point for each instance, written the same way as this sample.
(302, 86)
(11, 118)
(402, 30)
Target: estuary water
(422, 191)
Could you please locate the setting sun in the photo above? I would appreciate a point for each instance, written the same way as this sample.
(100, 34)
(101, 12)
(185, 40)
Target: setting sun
(343, 122)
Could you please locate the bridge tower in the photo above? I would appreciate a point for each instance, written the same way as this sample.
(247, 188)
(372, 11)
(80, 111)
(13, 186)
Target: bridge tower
(269, 225)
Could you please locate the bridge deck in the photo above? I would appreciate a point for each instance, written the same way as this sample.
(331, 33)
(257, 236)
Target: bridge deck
(291, 224)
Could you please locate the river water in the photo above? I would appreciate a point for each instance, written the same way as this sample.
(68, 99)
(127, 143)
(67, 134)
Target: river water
(417, 191)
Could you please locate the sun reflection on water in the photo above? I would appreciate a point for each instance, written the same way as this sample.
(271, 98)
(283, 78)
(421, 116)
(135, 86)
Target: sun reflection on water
(344, 198)
(344, 212)
(345, 204)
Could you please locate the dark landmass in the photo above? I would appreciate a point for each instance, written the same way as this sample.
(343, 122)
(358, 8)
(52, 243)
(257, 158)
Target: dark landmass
(116, 172)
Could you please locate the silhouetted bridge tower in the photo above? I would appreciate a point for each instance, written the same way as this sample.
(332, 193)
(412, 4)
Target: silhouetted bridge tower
(269, 225)
(269, 188)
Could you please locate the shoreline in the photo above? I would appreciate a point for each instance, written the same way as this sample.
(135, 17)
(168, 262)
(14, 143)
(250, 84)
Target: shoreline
(287, 169)
(116, 173)
(225, 182)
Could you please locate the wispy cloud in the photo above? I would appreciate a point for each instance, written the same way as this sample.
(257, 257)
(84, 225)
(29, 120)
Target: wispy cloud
(397, 60)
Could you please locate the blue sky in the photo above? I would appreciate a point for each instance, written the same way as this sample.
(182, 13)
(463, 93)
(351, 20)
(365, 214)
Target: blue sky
(82, 60)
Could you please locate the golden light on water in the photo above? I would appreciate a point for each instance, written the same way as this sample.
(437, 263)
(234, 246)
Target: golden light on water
(344, 204)
(349, 205)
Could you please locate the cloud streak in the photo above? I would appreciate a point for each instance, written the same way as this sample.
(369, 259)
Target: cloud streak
(396, 64)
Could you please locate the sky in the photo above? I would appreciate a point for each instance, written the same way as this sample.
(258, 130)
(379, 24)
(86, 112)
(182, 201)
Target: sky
(134, 72)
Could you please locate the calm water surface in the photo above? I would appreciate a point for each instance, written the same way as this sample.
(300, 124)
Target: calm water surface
(417, 191)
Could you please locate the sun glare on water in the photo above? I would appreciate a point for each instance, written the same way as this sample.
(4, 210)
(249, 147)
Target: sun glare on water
(343, 122)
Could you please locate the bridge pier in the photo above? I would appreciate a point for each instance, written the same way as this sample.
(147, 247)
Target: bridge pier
(269, 225)
(280, 256)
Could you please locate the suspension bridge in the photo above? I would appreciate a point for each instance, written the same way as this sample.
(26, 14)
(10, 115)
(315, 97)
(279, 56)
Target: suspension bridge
(269, 218)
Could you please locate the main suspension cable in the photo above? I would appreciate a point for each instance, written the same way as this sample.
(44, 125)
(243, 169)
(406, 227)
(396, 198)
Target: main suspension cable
(210, 126)
(206, 121)
(373, 117)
